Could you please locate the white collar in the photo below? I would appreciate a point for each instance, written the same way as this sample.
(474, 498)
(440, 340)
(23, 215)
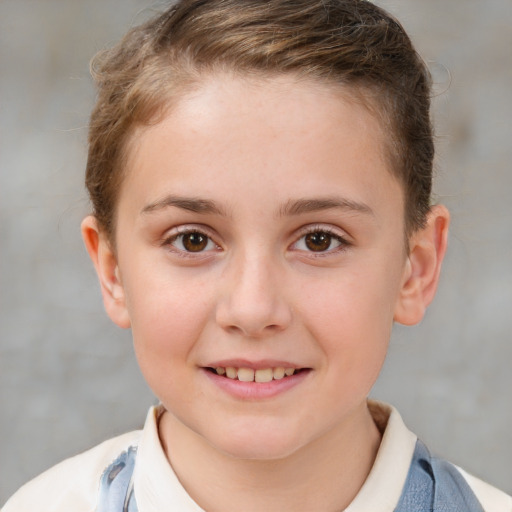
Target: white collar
(383, 487)
(157, 487)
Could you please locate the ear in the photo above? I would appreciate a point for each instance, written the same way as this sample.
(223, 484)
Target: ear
(427, 248)
(105, 263)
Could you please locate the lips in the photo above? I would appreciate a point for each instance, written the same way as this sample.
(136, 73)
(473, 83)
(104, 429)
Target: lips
(255, 381)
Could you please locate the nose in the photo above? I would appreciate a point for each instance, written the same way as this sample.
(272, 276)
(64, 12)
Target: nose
(252, 301)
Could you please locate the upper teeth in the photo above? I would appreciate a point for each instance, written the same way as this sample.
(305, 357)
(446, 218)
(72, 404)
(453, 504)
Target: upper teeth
(250, 375)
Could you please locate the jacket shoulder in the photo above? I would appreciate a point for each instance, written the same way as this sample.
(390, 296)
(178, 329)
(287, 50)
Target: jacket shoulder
(491, 499)
(72, 484)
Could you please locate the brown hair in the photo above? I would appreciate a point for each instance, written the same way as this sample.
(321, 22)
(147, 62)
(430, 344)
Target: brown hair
(348, 42)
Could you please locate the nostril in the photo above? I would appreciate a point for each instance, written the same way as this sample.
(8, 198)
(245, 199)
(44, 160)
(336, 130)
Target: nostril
(254, 333)
(252, 317)
(233, 329)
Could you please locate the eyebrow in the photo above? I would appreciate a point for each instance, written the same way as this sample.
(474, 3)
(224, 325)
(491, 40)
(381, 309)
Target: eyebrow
(290, 208)
(300, 206)
(191, 204)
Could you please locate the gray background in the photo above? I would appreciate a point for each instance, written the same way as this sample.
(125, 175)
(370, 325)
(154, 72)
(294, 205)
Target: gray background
(68, 378)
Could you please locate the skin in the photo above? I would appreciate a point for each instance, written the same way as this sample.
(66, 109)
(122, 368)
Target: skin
(253, 153)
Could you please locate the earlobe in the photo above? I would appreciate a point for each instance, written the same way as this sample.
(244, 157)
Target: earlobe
(105, 263)
(421, 274)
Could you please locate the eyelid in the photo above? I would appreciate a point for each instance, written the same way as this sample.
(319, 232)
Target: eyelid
(327, 228)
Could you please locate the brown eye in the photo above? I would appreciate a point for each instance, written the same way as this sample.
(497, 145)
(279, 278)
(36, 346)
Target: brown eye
(323, 242)
(194, 242)
(318, 241)
(191, 242)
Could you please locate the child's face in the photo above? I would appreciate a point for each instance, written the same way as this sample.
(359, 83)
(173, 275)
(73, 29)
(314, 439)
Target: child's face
(260, 227)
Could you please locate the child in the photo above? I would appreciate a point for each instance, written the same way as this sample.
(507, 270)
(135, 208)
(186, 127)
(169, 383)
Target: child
(260, 175)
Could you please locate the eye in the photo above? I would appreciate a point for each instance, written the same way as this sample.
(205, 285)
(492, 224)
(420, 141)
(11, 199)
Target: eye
(192, 242)
(320, 241)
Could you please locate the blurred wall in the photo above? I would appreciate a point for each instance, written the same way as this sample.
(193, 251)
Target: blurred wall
(68, 378)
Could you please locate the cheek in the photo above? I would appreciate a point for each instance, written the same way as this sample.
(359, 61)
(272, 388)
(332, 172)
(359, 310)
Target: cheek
(167, 315)
(351, 318)
(356, 300)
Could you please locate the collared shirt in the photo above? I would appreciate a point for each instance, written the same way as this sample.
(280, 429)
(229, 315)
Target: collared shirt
(131, 473)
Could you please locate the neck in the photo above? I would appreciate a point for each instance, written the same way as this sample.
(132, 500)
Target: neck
(324, 475)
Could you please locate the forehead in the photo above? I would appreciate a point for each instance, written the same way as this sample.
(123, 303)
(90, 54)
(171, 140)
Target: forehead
(231, 128)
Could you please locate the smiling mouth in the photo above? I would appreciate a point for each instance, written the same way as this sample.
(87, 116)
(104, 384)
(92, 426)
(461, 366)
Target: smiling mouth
(260, 375)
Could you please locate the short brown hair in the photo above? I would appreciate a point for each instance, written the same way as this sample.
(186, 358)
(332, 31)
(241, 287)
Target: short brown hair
(348, 42)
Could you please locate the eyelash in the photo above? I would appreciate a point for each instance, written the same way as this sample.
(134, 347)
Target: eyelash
(343, 243)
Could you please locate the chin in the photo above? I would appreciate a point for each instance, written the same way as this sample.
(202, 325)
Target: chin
(258, 451)
(256, 443)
